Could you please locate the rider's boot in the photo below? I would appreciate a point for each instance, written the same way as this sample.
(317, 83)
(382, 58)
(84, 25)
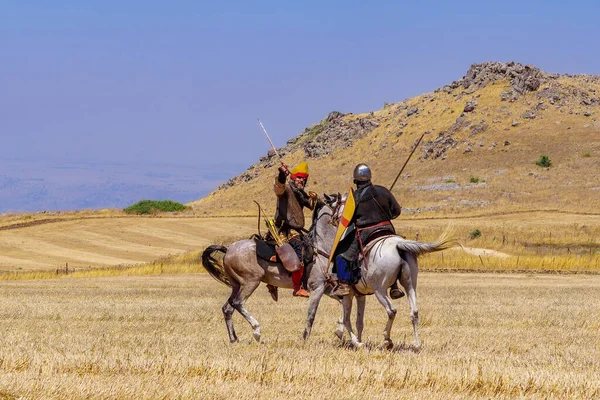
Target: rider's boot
(341, 286)
(273, 292)
(395, 292)
(297, 282)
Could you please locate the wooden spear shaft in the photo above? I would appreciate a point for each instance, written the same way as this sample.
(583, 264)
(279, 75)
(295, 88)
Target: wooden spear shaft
(406, 162)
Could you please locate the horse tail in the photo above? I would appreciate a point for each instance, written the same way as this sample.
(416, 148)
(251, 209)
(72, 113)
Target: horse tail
(445, 241)
(215, 266)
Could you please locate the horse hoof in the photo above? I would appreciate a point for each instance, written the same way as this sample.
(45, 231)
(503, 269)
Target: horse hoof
(256, 335)
(339, 333)
(359, 345)
(388, 344)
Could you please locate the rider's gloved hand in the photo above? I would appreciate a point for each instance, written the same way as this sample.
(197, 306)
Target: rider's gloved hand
(283, 171)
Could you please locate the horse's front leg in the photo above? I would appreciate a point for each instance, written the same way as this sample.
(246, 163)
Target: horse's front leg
(347, 303)
(381, 294)
(360, 315)
(339, 331)
(313, 305)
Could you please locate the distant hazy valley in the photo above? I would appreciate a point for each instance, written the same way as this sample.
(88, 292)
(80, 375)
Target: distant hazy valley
(52, 186)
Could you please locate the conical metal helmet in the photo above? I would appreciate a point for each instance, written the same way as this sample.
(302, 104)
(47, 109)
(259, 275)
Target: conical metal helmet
(362, 173)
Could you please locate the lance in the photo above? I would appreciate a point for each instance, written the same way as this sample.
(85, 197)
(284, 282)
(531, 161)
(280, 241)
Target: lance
(269, 139)
(406, 162)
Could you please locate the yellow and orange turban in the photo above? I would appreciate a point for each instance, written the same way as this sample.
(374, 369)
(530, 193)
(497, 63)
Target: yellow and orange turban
(300, 171)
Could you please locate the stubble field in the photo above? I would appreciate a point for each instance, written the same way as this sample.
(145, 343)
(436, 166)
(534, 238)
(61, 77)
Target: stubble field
(534, 240)
(163, 337)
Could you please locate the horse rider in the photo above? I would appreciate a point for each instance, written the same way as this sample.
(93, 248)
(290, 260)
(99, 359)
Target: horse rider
(289, 215)
(376, 206)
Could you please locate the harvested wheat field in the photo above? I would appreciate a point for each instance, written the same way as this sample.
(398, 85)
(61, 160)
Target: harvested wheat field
(163, 336)
(96, 242)
(533, 240)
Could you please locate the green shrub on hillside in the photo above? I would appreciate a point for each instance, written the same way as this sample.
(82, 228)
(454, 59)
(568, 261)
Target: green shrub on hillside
(311, 132)
(151, 206)
(587, 155)
(474, 179)
(475, 233)
(543, 161)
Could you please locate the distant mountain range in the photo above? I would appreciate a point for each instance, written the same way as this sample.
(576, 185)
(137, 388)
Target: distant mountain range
(55, 186)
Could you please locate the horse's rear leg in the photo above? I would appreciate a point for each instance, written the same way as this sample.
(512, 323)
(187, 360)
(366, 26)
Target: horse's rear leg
(381, 295)
(409, 284)
(360, 315)
(228, 311)
(237, 302)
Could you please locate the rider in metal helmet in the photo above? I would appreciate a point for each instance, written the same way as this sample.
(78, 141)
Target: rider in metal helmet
(376, 206)
(362, 173)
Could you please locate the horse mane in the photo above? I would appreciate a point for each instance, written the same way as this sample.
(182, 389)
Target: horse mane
(315, 216)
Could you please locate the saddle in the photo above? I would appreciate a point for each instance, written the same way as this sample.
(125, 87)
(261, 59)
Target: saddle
(265, 249)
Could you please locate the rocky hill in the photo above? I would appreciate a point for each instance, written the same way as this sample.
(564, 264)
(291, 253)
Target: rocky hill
(484, 134)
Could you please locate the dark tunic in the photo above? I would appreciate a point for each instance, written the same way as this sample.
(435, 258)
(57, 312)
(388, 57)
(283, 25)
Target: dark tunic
(374, 205)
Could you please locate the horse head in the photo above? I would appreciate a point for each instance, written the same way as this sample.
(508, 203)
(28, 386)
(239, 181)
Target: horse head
(336, 203)
(323, 216)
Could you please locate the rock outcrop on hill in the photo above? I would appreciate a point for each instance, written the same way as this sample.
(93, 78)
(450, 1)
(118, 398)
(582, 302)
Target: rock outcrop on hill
(319, 140)
(523, 78)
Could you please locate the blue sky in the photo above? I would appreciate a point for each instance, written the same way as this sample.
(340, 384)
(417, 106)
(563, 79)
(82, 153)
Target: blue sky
(183, 82)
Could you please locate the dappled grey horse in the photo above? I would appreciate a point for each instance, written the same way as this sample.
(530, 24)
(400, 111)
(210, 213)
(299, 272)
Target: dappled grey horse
(243, 271)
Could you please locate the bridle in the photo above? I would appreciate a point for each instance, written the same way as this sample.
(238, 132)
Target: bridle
(336, 216)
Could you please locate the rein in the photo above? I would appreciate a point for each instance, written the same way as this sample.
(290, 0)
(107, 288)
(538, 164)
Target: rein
(313, 233)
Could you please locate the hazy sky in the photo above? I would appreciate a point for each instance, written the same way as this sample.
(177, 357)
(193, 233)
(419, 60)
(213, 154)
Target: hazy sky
(183, 81)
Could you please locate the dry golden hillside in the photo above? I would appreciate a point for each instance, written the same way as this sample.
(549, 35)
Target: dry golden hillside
(485, 133)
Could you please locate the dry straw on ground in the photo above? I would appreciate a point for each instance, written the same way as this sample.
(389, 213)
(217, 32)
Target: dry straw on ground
(485, 336)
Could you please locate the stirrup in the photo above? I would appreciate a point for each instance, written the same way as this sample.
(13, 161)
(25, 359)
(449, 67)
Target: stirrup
(396, 293)
(273, 292)
(341, 289)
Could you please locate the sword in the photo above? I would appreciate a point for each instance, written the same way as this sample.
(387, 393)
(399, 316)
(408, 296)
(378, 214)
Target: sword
(406, 162)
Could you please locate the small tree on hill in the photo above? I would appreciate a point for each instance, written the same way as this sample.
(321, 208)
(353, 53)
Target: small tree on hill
(543, 161)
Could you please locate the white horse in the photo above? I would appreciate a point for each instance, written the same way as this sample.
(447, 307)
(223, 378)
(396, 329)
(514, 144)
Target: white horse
(390, 258)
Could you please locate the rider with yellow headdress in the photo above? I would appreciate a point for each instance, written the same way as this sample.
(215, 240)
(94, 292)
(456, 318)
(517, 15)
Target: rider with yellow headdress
(289, 215)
